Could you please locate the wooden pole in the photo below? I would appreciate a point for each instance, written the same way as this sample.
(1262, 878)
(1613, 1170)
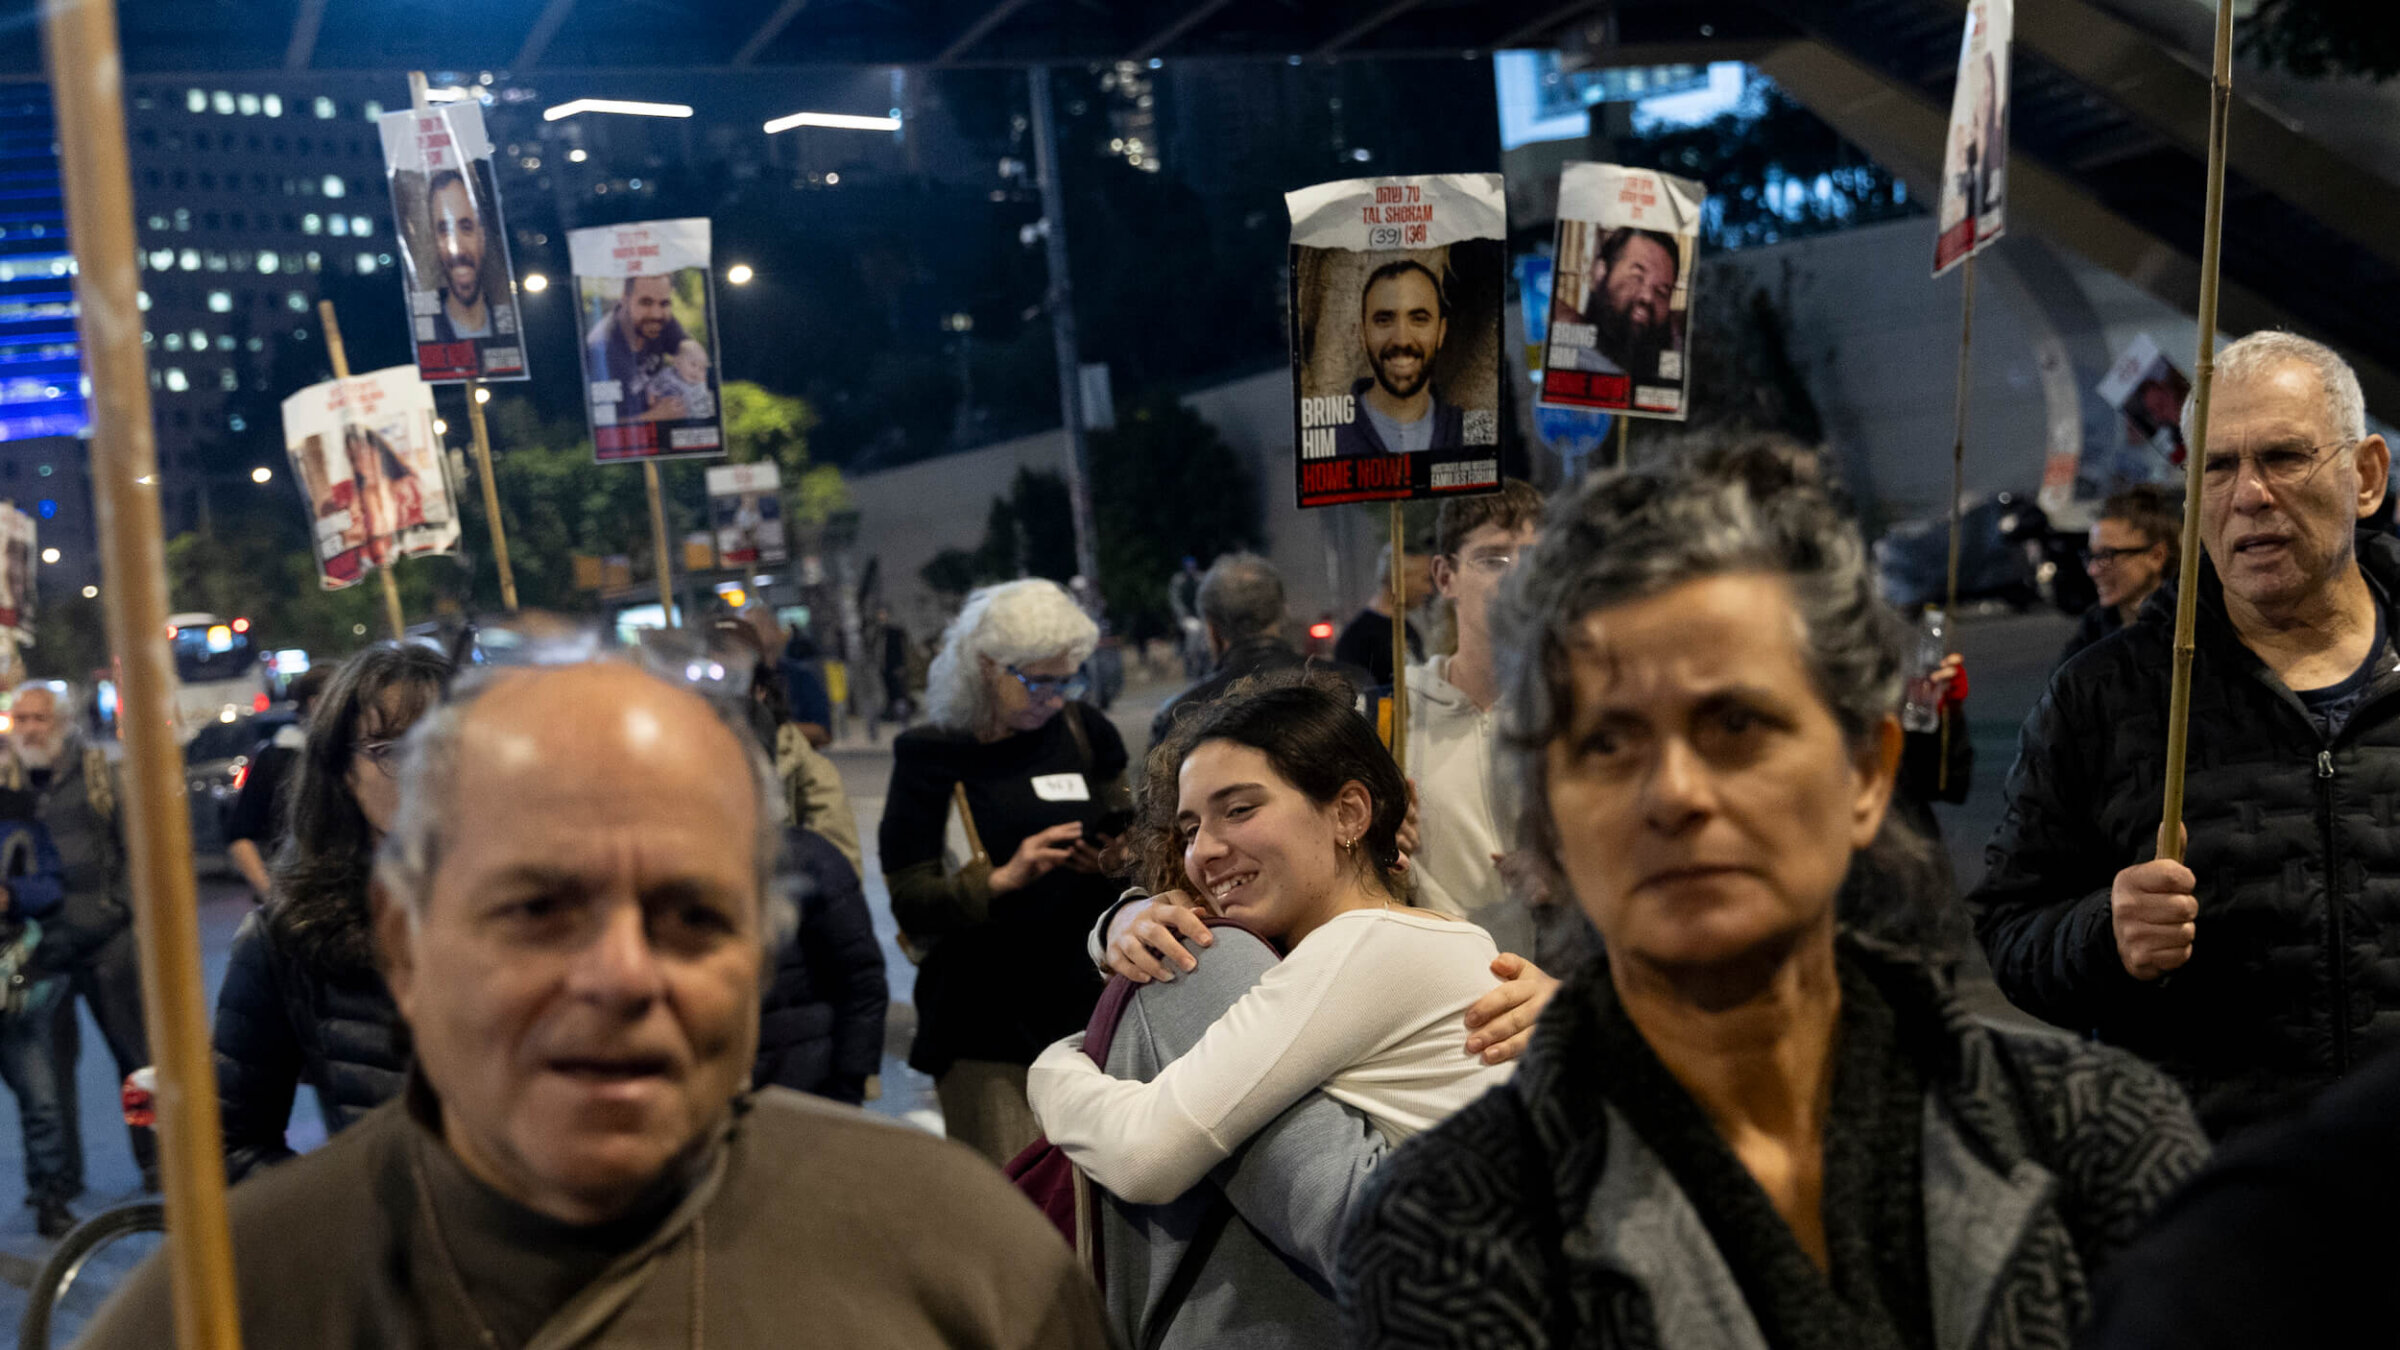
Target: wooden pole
(383, 569)
(1624, 441)
(1958, 493)
(86, 81)
(2187, 598)
(418, 99)
(658, 539)
(1399, 638)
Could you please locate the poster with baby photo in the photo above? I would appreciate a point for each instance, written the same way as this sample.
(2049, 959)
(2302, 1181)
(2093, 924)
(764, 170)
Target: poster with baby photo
(1628, 246)
(369, 467)
(1398, 286)
(454, 263)
(648, 310)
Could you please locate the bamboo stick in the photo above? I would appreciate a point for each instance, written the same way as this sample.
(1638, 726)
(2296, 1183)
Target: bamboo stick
(1958, 493)
(80, 41)
(658, 540)
(2187, 599)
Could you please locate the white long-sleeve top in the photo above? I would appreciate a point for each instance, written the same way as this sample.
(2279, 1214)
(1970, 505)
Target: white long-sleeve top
(1371, 1008)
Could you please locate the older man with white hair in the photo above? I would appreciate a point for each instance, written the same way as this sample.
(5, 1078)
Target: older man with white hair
(89, 938)
(574, 911)
(2264, 963)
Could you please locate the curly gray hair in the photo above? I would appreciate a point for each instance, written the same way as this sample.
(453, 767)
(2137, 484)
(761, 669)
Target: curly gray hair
(1012, 623)
(411, 851)
(1762, 507)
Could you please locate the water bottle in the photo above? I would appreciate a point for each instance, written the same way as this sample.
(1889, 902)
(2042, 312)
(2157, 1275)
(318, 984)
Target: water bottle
(1923, 709)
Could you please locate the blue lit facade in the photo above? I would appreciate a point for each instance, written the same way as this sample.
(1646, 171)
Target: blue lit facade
(41, 368)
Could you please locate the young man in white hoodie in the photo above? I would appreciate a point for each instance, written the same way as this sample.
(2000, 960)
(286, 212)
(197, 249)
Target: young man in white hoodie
(1477, 542)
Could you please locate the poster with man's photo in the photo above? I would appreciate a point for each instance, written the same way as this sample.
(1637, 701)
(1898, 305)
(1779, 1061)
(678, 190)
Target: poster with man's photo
(2147, 388)
(1627, 248)
(745, 509)
(1398, 285)
(649, 348)
(370, 472)
(454, 263)
(1975, 154)
(19, 547)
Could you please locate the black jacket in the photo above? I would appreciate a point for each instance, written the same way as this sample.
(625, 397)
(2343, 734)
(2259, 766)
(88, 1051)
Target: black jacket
(1261, 655)
(2283, 1240)
(2097, 622)
(301, 1003)
(91, 851)
(2295, 974)
(820, 1026)
(1542, 1217)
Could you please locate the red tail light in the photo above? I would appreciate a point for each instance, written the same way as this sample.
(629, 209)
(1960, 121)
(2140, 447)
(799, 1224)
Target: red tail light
(241, 775)
(1322, 632)
(260, 702)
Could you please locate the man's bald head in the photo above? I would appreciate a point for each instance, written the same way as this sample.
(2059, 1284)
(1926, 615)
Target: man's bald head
(594, 741)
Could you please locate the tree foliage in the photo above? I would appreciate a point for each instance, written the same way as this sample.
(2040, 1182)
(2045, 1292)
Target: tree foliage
(1165, 487)
(1776, 171)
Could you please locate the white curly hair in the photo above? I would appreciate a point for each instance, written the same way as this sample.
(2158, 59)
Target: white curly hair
(1014, 623)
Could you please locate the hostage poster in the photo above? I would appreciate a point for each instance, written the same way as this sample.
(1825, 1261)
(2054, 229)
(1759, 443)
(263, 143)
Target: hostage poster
(649, 348)
(1975, 155)
(2149, 391)
(1398, 285)
(454, 263)
(1627, 249)
(19, 546)
(369, 467)
(745, 509)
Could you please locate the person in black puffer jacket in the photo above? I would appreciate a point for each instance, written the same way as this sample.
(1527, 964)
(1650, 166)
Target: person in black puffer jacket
(2268, 963)
(303, 1000)
(820, 1026)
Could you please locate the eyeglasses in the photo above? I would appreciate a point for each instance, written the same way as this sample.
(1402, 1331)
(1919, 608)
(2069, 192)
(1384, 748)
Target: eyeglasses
(2278, 466)
(381, 754)
(1069, 687)
(2105, 557)
(1492, 564)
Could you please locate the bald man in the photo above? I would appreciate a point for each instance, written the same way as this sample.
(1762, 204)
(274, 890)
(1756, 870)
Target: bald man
(573, 912)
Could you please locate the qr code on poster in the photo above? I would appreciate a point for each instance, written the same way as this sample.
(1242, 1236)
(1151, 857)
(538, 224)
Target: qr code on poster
(1482, 428)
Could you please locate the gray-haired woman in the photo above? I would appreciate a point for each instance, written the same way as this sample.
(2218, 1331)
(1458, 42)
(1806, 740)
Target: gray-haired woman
(1745, 1123)
(1003, 971)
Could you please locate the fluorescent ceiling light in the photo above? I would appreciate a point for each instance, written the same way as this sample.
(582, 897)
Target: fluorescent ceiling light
(839, 121)
(616, 105)
(453, 94)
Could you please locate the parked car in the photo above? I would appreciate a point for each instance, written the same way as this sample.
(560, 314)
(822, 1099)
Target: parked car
(2008, 551)
(215, 763)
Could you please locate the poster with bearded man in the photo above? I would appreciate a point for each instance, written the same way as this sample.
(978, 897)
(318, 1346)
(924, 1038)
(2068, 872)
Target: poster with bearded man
(454, 264)
(1628, 245)
(1398, 285)
(649, 339)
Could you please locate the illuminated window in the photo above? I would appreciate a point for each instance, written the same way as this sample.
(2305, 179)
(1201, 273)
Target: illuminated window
(142, 298)
(190, 261)
(161, 260)
(296, 302)
(195, 100)
(172, 342)
(220, 302)
(225, 344)
(216, 261)
(271, 105)
(175, 379)
(312, 223)
(323, 107)
(333, 186)
(361, 227)
(366, 264)
(373, 110)
(248, 103)
(337, 225)
(157, 222)
(183, 218)
(267, 263)
(199, 340)
(222, 102)
(149, 340)
(227, 380)
(316, 261)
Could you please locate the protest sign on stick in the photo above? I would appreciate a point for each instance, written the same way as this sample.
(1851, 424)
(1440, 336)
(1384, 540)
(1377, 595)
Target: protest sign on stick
(1628, 245)
(1973, 209)
(454, 261)
(648, 312)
